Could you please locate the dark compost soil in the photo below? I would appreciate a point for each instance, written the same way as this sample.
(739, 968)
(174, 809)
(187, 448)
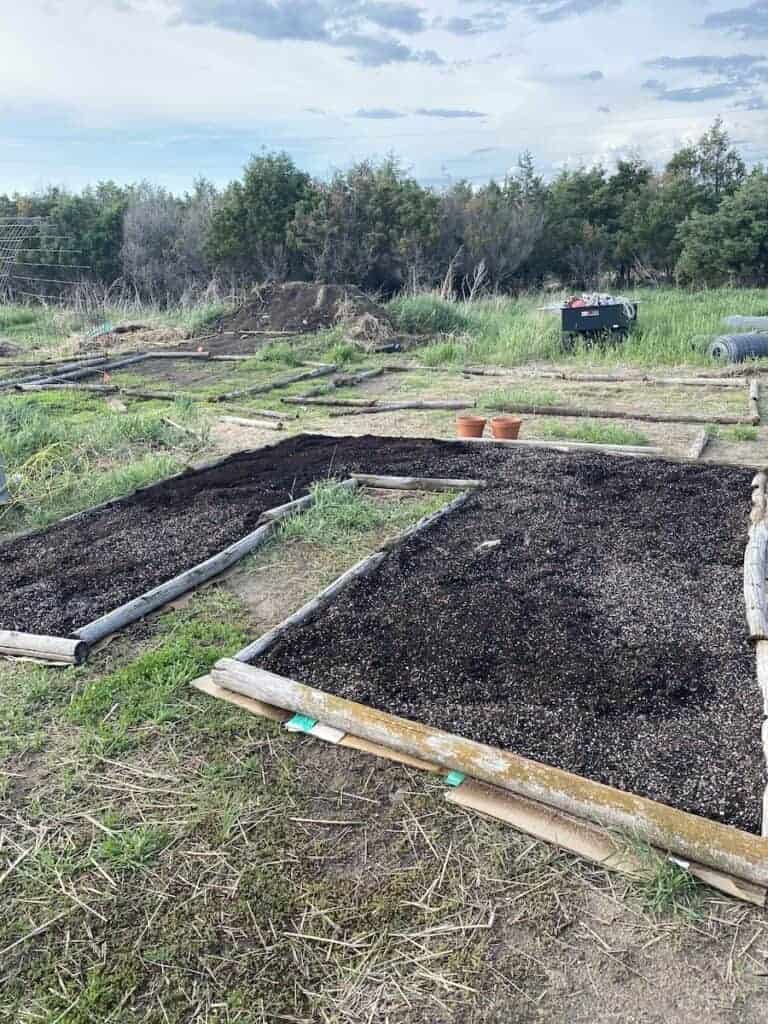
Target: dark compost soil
(69, 574)
(303, 307)
(605, 635)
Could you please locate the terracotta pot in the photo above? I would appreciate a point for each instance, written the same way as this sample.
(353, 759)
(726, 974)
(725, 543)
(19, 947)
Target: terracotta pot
(506, 428)
(470, 426)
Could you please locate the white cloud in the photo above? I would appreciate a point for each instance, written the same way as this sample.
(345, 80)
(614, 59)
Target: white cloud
(169, 88)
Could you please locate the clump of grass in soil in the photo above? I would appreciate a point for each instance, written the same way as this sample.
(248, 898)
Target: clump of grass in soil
(339, 514)
(342, 353)
(508, 399)
(133, 848)
(742, 433)
(590, 431)
(665, 888)
(280, 353)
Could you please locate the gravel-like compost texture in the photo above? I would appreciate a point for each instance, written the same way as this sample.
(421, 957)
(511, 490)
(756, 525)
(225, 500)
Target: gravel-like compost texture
(605, 635)
(63, 577)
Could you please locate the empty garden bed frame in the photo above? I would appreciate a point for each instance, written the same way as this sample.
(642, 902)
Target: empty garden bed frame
(589, 818)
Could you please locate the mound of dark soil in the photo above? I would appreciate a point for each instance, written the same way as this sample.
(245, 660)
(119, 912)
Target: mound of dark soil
(304, 307)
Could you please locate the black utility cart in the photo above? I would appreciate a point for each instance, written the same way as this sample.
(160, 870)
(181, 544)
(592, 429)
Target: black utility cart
(593, 324)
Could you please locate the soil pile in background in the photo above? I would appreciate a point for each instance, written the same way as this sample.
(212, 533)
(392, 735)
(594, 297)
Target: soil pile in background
(303, 307)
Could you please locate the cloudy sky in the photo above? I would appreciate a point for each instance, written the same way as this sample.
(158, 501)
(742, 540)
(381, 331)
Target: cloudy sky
(173, 89)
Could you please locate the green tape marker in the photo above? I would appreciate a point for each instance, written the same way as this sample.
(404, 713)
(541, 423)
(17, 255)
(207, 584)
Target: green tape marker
(301, 723)
(454, 778)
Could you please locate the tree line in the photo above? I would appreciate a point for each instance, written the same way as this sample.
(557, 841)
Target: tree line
(702, 220)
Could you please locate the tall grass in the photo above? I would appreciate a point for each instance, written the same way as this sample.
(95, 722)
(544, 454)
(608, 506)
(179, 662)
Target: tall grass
(674, 328)
(67, 452)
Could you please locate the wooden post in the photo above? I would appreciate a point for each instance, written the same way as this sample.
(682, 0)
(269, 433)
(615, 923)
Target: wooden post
(616, 414)
(311, 608)
(754, 400)
(280, 382)
(57, 649)
(259, 424)
(153, 599)
(700, 443)
(756, 561)
(416, 483)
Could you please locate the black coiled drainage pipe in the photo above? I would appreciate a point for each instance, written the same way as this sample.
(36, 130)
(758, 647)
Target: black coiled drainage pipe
(735, 348)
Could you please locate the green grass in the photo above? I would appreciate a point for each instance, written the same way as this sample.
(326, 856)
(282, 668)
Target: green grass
(39, 326)
(343, 353)
(132, 849)
(674, 328)
(340, 514)
(65, 452)
(742, 433)
(153, 687)
(665, 888)
(509, 399)
(591, 431)
(429, 314)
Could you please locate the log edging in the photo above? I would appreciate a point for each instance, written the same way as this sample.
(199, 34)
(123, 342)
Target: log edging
(707, 842)
(756, 602)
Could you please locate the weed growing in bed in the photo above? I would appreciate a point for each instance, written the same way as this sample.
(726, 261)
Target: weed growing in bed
(742, 433)
(508, 399)
(590, 431)
(339, 515)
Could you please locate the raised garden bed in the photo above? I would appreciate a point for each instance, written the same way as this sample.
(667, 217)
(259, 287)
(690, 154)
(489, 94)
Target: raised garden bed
(60, 578)
(605, 635)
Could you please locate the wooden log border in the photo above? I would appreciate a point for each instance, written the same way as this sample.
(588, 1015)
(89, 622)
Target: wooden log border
(74, 649)
(754, 400)
(756, 601)
(56, 649)
(689, 836)
(364, 567)
(171, 589)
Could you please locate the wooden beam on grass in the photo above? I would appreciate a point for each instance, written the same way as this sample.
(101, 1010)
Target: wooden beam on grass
(397, 406)
(416, 483)
(583, 838)
(56, 649)
(161, 595)
(273, 385)
(567, 411)
(241, 421)
(368, 403)
(699, 444)
(754, 400)
(98, 389)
